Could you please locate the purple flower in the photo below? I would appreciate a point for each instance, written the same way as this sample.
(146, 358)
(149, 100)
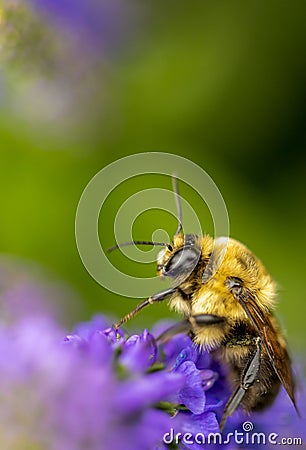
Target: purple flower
(63, 51)
(149, 390)
(22, 295)
(173, 347)
(87, 329)
(101, 24)
(192, 394)
(65, 394)
(139, 352)
(189, 362)
(97, 388)
(192, 425)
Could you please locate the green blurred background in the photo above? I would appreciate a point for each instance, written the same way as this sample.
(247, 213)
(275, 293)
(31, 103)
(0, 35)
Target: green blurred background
(221, 83)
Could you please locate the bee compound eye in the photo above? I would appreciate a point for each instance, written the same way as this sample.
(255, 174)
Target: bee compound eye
(183, 261)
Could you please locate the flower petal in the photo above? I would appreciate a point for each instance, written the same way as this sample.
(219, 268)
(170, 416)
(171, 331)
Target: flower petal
(192, 394)
(139, 352)
(139, 393)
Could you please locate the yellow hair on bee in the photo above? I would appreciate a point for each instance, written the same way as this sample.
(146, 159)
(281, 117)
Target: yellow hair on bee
(220, 259)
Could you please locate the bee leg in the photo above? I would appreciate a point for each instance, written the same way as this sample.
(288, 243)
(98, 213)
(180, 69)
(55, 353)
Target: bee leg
(203, 320)
(248, 379)
(186, 325)
(159, 297)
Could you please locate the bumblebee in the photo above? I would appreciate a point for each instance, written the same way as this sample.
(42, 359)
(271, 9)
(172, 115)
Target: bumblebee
(227, 298)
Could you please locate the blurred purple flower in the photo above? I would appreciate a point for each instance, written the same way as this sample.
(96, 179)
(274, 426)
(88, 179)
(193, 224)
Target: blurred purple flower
(99, 25)
(24, 291)
(26, 299)
(85, 330)
(97, 389)
(68, 396)
(63, 51)
(139, 352)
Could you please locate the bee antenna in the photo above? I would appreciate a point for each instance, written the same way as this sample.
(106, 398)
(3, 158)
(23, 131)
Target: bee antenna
(178, 204)
(124, 244)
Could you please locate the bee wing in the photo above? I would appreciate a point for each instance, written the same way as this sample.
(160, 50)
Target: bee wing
(277, 353)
